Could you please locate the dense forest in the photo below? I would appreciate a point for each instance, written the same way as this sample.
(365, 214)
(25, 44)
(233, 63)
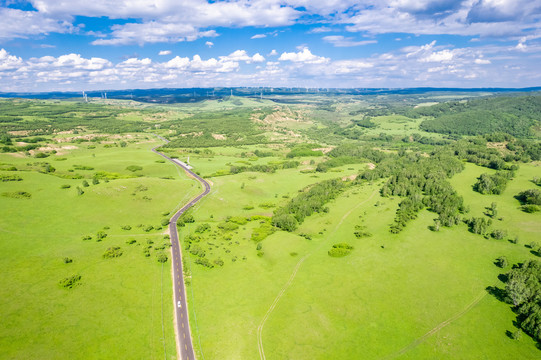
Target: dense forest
(523, 290)
(513, 115)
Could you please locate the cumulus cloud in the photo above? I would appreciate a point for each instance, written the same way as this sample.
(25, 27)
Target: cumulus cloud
(9, 62)
(209, 44)
(242, 55)
(188, 20)
(304, 56)
(341, 41)
(153, 32)
(165, 52)
(471, 17)
(503, 10)
(171, 21)
(58, 72)
(20, 24)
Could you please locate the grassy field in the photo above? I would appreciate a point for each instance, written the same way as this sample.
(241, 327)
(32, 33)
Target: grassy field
(122, 306)
(418, 294)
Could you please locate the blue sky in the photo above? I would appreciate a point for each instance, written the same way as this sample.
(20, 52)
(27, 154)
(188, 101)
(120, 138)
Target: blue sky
(79, 45)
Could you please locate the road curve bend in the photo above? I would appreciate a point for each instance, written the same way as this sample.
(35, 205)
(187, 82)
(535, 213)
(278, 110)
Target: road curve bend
(184, 338)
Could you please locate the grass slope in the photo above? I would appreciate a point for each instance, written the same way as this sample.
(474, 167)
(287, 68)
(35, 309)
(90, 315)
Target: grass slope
(116, 311)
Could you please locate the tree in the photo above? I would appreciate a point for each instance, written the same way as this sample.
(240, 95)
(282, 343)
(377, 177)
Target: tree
(502, 262)
(162, 257)
(285, 222)
(493, 210)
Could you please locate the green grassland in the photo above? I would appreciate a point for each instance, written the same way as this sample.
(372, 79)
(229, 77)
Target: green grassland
(385, 296)
(252, 288)
(122, 307)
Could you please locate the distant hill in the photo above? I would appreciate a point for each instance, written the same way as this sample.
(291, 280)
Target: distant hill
(186, 95)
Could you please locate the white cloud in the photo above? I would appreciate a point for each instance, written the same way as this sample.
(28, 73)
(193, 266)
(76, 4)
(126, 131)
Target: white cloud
(9, 62)
(209, 44)
(273, 53)
(259, 36)
(322, 29)
(187, 20)
(341, 41)
(482, 61)
(153, 32)
(242, 55)
(165, 52)
(439, 56)
(468, 17)
(350, 66)
(21, 24)
(303, 56)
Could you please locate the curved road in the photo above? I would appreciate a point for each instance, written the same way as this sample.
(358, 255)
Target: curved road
(184, 339)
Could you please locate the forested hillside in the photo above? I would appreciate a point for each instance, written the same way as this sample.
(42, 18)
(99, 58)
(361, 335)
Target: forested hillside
(517, 116)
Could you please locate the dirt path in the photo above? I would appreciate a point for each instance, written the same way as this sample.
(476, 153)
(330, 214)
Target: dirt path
(437, 328)
(294, 273)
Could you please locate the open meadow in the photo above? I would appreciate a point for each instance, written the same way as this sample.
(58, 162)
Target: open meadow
(336, 227)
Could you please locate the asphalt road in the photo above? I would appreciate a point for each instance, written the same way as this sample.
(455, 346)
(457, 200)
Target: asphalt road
(184, 339)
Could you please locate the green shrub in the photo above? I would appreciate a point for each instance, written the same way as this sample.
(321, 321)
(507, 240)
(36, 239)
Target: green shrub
(261, 232)
(17, 195)
(134, 168)
(502, 262)
(70, 282)
(498, 234)
(238, 220)
(340, 250)
(202, 228)
(112, 252)
(65, 186)
(9, 177)
(161, 257)
(205, 262)
(227, 226)
(530, 208)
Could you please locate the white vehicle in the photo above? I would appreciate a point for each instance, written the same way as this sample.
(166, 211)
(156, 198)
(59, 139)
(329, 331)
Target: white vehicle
(178, 303)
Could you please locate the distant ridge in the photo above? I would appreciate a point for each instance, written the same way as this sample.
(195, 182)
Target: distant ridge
(184, 95)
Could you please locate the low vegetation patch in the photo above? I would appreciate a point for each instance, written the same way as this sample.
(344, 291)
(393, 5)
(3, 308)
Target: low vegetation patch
(70, 282)
(112, 252)
(340, 250)
(10, 177)
(17, 195)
